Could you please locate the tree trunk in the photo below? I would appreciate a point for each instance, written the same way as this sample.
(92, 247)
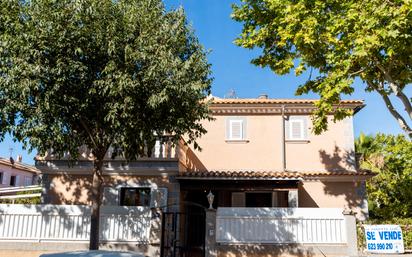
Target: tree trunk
(96, 201)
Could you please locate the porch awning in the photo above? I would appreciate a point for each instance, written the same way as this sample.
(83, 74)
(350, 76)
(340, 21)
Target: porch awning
(270, 175)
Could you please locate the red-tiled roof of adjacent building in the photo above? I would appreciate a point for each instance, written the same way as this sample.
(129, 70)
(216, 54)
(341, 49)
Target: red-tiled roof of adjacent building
(19, 165)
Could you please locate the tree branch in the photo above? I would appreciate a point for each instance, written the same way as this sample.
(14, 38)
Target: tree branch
(397, 91)
(357, 72)
(406, 103)
(88, 133)
(402, 123)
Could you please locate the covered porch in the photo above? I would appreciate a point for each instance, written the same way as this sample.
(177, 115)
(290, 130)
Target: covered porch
(241, 190)
(259, 214)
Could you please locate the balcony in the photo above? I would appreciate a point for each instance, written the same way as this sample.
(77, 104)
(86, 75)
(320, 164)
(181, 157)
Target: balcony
(162, 158)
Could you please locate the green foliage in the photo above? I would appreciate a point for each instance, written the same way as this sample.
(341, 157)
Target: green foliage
(31, 200)
(405, 224)
(99, 73)
(342, 40)
(390, 191)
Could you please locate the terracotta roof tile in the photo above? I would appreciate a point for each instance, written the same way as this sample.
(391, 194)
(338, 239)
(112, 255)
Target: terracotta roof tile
(274, 101)
(270, 174)
(19, 166)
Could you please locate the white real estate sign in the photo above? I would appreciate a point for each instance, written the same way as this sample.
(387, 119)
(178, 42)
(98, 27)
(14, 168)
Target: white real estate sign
(384, 239)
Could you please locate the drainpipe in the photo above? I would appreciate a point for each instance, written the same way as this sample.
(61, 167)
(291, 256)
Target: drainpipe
(283, 140)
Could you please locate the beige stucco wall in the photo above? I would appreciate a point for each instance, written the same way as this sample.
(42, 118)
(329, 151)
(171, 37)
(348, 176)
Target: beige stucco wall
(11, 171)
(75, 189)
(334, 194)
(332, 150)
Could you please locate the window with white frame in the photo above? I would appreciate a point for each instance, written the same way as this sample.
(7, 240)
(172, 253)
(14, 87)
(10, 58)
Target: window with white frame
(27, 181)
(296, 128)
(236, 128)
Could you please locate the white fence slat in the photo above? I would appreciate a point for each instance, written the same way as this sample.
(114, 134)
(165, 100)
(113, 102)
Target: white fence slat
(72, 223)
(280, 225)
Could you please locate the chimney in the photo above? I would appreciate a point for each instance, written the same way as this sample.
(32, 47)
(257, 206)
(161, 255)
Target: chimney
(263, 96)
(19, 158)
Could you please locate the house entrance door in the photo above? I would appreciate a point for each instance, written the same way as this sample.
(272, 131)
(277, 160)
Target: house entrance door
(183, 233)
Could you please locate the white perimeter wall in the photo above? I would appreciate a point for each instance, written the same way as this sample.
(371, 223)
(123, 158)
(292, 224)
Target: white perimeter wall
(20, 222)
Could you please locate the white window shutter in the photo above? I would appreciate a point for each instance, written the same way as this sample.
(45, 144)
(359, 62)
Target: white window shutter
(293, 198)
(158, 198)
(275, 199)
(27, 181)
(236, 129)
(111, 196)
(296, 128)
(238, 199)
(6, 179)
(17, 183)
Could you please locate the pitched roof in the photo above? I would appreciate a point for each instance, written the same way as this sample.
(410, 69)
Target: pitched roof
(19, 166)
(216, 100)
(269, 174)
(273, 106)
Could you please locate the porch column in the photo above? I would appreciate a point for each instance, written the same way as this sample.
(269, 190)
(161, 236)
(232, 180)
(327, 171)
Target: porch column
(351, 235)
(210, 237)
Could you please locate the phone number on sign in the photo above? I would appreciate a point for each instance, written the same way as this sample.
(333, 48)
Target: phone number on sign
(381, 246)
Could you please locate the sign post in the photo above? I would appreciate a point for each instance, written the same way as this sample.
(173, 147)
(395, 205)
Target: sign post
(384, 239)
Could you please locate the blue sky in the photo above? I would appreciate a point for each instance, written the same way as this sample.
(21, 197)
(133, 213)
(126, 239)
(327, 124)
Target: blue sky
(232, 70)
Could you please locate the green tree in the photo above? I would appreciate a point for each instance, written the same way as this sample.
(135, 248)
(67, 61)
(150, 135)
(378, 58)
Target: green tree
(99, 73)
(390, 191)
(342, 40)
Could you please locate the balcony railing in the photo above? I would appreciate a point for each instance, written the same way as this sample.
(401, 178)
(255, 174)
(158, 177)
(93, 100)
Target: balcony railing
(162, 157)
(161, 150)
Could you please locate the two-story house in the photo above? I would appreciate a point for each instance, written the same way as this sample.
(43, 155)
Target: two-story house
(262, 153)
(257, 153)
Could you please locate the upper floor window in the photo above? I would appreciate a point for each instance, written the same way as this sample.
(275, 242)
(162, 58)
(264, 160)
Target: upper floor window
(236, 128)
(1, 177)
(296, 128)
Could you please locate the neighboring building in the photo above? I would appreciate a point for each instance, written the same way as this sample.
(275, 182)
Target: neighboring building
(15, 173)
(251, 157)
